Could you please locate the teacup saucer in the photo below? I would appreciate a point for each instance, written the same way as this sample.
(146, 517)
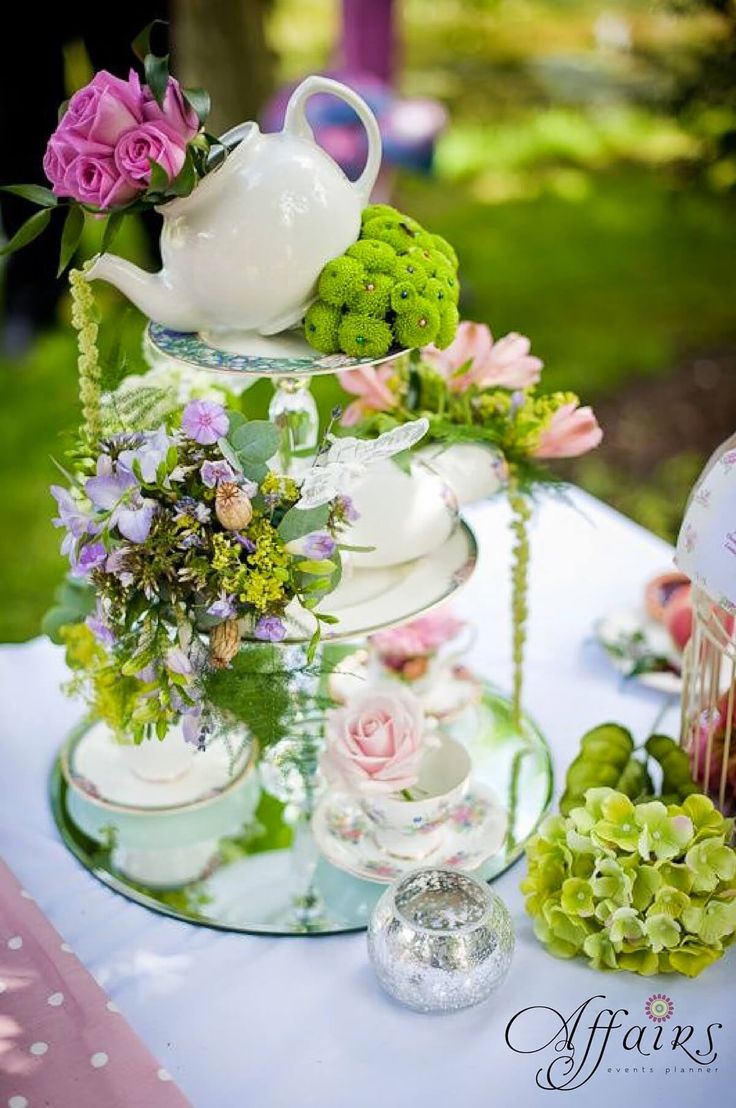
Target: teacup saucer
(474, 832)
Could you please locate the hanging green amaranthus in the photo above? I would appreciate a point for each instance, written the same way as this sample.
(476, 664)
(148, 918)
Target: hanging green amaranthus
(85, 321)
(521, 513)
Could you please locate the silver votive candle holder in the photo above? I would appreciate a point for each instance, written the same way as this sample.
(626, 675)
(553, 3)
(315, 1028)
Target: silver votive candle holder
(440, 940)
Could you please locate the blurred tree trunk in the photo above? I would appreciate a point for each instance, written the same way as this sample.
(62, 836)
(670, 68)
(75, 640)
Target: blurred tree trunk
(221, 45)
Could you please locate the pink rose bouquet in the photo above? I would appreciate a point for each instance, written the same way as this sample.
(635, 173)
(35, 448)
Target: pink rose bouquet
(120, 146)
(375, 743)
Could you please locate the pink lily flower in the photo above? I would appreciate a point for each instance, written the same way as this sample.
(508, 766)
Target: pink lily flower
(371, 388)
(571, 431)
(506, 363)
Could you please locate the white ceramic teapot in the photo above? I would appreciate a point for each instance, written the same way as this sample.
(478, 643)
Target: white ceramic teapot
(243, 251)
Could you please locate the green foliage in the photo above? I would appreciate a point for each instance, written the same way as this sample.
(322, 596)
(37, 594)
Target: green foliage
(607, 757)
(648, 887)
(373, 289)
(255, 690)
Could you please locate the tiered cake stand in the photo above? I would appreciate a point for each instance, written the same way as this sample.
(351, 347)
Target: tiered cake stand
(270, 875)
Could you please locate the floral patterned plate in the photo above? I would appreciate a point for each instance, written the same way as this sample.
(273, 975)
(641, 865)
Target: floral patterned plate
(284, 355)
(474, 832)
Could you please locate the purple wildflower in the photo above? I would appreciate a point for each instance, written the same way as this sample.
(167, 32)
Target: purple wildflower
(214, 472)
(195, 509)
(270, 629)
(149, 455)
(205, 421)
(319, 545)
(116, 566)
(247, 544)
(177, 661)
(91, 555)
(517, 401)
(116, 491)
(223, 607)
(70, 515)
(349, 512)
(99, 626)
(192, 728)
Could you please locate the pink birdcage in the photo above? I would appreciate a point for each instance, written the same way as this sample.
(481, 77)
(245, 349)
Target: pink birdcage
(706, 551)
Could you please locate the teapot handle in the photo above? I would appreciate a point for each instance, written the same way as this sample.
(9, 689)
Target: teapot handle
(295, 121)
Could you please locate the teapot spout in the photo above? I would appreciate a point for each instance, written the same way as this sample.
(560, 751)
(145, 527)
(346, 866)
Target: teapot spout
(150, 292)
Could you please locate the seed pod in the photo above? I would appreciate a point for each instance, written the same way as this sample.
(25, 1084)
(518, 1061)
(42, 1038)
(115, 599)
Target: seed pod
(224, 643)
(232, 506)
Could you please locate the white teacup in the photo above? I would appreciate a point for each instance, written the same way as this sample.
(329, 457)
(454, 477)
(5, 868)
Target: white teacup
(413, 828)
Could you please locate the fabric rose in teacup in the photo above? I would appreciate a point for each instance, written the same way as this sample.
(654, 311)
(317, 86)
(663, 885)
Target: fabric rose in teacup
(407, 780)
(376, 741)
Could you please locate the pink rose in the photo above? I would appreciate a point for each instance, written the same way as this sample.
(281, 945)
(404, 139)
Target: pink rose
(421, 637)
(571, 431)
(376, 741)
(484, 363)
(104, 108)
(175, 113)
(370, 386)
(146, 143)
(95, 179)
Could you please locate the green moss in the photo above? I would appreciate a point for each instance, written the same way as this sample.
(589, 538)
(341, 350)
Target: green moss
(321, 325)
(418, 326)
(340, 279)
(363, 336)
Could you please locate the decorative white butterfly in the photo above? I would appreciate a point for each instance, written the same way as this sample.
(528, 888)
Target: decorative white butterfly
(346, 460)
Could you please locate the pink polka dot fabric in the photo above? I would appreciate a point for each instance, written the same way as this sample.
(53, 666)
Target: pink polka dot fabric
(62, 1042)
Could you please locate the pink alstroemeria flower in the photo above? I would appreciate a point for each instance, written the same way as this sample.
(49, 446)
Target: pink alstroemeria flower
(571, 431)
(371, 388)
(506, 363)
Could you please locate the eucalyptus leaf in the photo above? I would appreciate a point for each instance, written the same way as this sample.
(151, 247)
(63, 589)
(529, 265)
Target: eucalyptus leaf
(299, 522)
(57, 618)
(229, 455)
(256, 441)
(28, 231)
(70, 236)
(37, 194)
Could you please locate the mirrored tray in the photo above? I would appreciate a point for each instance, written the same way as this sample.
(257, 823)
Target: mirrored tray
(284, 355)
(250, 884)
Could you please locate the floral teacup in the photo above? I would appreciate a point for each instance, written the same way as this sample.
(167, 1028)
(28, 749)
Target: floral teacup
(412, 828)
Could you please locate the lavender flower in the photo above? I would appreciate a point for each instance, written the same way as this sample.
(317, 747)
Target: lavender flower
(91, 555)
(270, 629)
(115, 490)
(115, 565)
(99, 626)
(319, 545)
(192, 727)
(347, 509)
(149, 455)
(177, 661)
(247, 544)
(223, 607)
(195, 509)
(70, 515)
(214, 472)
(205, 421)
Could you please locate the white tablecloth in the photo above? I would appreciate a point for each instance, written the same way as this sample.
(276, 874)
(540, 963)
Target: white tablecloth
(254, 1022)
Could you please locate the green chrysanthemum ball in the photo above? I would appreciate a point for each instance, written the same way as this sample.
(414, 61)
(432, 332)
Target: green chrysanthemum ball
(396, 286)
(647, 887)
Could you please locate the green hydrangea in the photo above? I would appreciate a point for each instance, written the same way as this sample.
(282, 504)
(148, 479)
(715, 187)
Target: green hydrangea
(649, 888)
(396, 274)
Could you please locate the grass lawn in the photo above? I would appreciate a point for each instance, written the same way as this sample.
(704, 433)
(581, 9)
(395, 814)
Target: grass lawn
(612, 284)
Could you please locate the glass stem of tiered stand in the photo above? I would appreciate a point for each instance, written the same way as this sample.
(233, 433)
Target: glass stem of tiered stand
(290, 772)
(294, 412)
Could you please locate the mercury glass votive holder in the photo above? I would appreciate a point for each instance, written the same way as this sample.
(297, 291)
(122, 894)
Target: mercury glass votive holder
(440, 940)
